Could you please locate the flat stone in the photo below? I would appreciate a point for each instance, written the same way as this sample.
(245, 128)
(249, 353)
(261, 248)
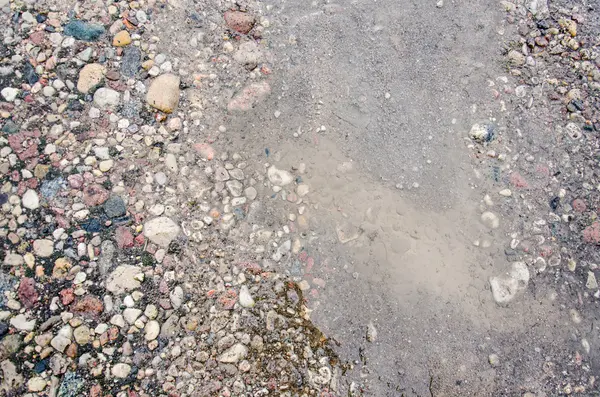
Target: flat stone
(234, 354)
(490, 220)
(239, 21)
(246, 299)
(10, 94)
(22, 323)
(176, 297)
(123, 279)
(122, 39)
(152, 330)
(121, 370)
(279, 177)
(36, 384)
(234, 187)
(60, 342)
(114, 207)
(250, 193)
(163, 93)
(43, 248)
(131, 314)
(249, 97)
(106, 98)
(505, 288)
(161, 231)
(82, 335)
(90, 76)
(30, 200)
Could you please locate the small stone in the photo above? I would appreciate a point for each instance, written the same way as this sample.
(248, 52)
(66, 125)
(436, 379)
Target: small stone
(490, 220)
(516, 58)
(239, 21)
(152, 330)
(249, 97)
(122, 39)
(505, 192)
(482, 132)
(30, 200)
(505, 288)
(163, 93)
(131, 314)
(43, 248)
(90, 76)
(36, 384)
(371, 332)
(176, 297)
(245, 298)
(82, 30)
(250, 193)
(302, 190)
(123, 279)
(279, 177)
(234, 354)
(22, 323)
(106, 98)
(60, 342)
(494, 360)
(234, 187)
(82, 335)
(114, 207)
(591, 282)
(121, 370)
(10, 94)
(161, 231)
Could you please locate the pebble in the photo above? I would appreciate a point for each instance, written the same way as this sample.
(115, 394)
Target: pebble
(122, 39)
(234, 354)
(279, 177)
(163, 93)
(43, 248)
(505, 192)
(152, 330)
(31, 200)
(22, 323)
(106, 98)
(90, 76)
(121, 370)
(9, 94)
(161, 231)
(490, 220)
(123, 278)
(246, 299)
(505, 288)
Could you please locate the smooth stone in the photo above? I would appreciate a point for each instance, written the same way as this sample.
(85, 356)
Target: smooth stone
(163, 93)
(505, 288)
(152, 330)
(106, 98)
(121, 370)
(161, 231)
(234, 354)
(279, 177)
(246, 299)
(30, 200)
(123, 279)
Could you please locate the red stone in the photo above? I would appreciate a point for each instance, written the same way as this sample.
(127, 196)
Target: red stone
(89, 305)
(72, 350)
(517, 180)
(67, 296)
(27, 293)
(227, 299)
(139, 240)
(94, 195)
(579, 205)
(124, 237)
(250, 267)
(239, 21)
(591, 234)
(75, 181)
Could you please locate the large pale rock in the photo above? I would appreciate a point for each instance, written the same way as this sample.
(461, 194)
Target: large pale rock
(279, 177)
(163, 93)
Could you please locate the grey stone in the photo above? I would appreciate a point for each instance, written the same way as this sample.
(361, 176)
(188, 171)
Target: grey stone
(114, 207)
(234, 354)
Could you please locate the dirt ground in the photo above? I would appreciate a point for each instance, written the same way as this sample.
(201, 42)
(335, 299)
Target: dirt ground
(442, 220)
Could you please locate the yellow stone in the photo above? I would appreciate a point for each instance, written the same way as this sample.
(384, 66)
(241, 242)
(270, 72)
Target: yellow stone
(122, 39)
(61, 268)
(41, 170)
